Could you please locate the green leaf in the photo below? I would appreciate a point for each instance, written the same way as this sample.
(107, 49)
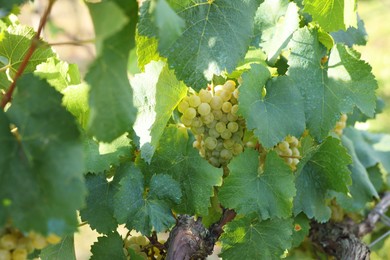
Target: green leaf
(352, 36)
(300, 230)
(108, 247)
(107, 19)
(99, 211)
(145, 213)
(269, 193)
(44, 160)
(332, 15)
(15, 42)
(58, 73)
(215, 38)
(61, 251)
(156, 94)
(110, 98)
(76, 101)
(278, 114)
(146, 50)
(362, 190)
(251, 238)
(329, 90)
(176, 157)
(100, 156)
(170, 25)
(276, 21)
(320, 171)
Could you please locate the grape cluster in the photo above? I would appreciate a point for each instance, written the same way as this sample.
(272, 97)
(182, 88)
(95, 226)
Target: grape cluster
(212, 116)
(14, 245)
(142, 247)
(340, 125)
(288, 150)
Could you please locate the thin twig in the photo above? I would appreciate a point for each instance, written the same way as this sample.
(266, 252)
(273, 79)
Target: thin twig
(33, 46)
(379, 239)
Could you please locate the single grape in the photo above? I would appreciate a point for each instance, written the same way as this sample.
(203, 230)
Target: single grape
(5, 254)
(226, 107)
(228, 144)
(235, 93)
(231, 117)
(233, 127)
(53, 239)
(8, 241)
(183, 105)
(283, 146)
(37, 240)
(217, 114)
(190, 113)
(187, 122)
(196, 122)
(226, 154)
(196, 144)
(214, 161)
(213, 133)
(204, 109)
(194, 101)
(295, 151)
(230, 85)
(220, 127)
(19, 254)
(237, 148)
(216, 103)
(212, 124)
(226, 134)
(207, 119)
(198, 130)
(210, 143)
(205, 96)
(234, 110)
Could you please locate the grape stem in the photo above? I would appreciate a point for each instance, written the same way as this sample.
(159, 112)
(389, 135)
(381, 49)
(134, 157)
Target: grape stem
(291, 156)
(33, 46)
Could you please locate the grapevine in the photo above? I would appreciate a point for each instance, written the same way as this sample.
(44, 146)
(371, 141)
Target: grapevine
(214, 124)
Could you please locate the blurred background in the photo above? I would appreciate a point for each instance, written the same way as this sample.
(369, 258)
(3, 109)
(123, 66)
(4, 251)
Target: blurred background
(70, 24)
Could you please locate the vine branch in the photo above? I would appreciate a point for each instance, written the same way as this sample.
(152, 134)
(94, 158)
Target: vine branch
(33, 46)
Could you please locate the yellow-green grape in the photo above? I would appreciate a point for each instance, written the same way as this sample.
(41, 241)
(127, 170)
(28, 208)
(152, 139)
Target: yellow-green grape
(8, 241)
(37, 240)
(226, 134)
(226, 107)
(230, 85)
(207, 119)
(210, 143)
(204, 109)
(19, 254)
(216, 103)
(187, 122)
(341, 124)
(220, 127)
(5, 254)
(183, 105)
(288, 150)
(235, 93)
(233, 127)
(194, 101)
(237, 148)
(234, 110)
(196, 122)
(53, 239)
(205, 96)
(190, 113)
(217, 114)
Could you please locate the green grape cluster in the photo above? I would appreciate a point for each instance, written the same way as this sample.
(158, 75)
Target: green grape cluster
(14, 245)
(340, 125)
(142, 247)
(212, 116)
(288, 150)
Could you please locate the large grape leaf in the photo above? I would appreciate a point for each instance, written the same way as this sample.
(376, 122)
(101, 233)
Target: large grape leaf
(44, 161)
(106, 25)
(62, 251)
(108, 247)
(150, 212)
(323, 169)
(215, 38)
(332, 15)
(329, 89)
(111, 100)
(14, 42)
(100, 156)
(176, 156)
(275, 22)
(156, 94)
(278, 114)
(362, 190)
(352, 36)
(99, 209)
(269, 193)
(58, 73)
(146, 50)
(251, 238)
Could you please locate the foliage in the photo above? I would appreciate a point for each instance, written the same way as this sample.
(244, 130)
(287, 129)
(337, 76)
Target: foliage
(112, 145)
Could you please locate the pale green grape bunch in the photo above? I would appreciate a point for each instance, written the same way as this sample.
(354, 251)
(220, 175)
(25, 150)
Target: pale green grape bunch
(212, 117)
(14, 245)
(340, 125)
(288, 150)
(142, 247)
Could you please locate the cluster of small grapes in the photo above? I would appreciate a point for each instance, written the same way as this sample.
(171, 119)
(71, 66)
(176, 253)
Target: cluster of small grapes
(340, 125)
(142, 247)
(288, 150)
(14, 245)
(212, 117)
